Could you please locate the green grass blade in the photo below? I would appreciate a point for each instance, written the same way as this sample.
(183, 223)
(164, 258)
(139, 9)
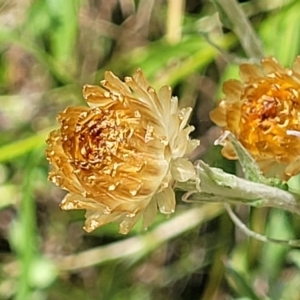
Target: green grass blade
(18, 148)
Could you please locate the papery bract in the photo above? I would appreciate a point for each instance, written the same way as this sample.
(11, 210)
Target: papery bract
(261, 110)
(119, 156)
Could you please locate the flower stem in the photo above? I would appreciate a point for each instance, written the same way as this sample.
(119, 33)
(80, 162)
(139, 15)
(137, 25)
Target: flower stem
(218, 186)
(234, 18)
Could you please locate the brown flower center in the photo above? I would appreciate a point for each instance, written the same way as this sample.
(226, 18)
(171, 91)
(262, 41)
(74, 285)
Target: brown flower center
(103, 137)
(269, 105)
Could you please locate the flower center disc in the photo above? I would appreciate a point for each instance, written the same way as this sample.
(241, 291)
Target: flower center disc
(270, 108)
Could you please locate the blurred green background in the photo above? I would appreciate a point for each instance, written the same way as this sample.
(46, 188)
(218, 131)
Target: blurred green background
(48, 50)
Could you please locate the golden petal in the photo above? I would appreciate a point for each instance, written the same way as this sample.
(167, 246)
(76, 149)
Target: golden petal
(179, 146)
(96, 96)
(228, 151)
(293, 168)
(191, 146)
(218, 115)
(62, 172)
(184, 115)
(270, 66)
(147, 96)
(172, 132)
(149, 214)
(166, 201)
(115, 85)
(182, 169)
(69, 119)
(174, 105)
(133, 207)
(96, 218)
(158, 102)
(296, 65)
(296, 70)
(165, 95)
(141, 80)
(272, 168)
(233, 117)
(233, 90)
(128, 222)
(77, 201)
(70, 115)
(249, 72)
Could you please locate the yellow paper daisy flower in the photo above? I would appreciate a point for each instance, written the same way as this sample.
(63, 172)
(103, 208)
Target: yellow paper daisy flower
(119, 156)
(262, 111)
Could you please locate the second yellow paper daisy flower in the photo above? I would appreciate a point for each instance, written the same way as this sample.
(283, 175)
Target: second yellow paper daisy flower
(262, 110)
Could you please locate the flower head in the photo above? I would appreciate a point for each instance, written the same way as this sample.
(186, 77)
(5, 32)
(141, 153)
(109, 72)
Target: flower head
(119, 156)
(262, 110)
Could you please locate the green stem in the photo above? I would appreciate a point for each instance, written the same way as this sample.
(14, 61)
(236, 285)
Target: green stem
(234, 18)
(218, 186)
(17, 148)
(27, 226)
